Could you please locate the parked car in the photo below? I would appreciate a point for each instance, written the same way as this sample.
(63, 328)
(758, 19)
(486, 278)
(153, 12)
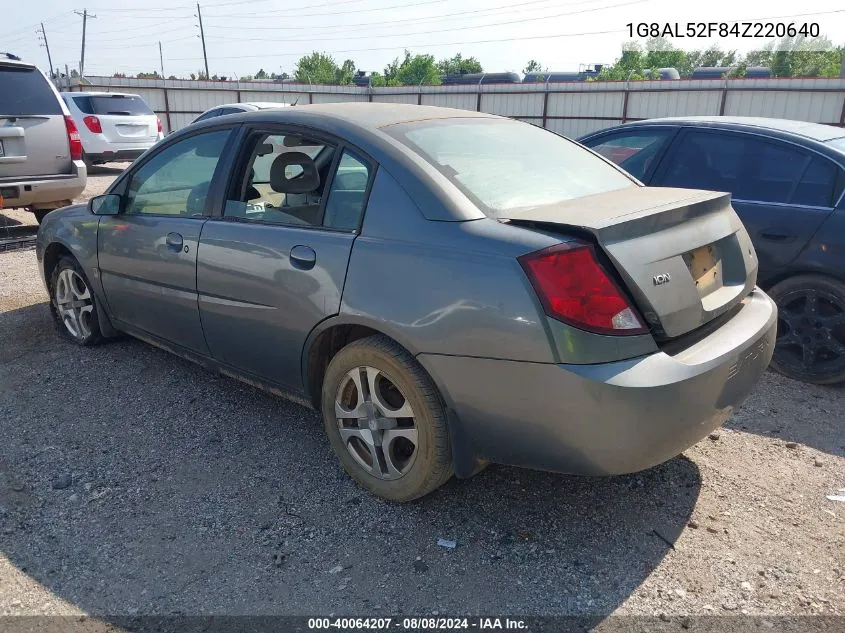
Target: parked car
(114, 126)
(787, 180)
(41, 164)
(234, 108)
(449, 288)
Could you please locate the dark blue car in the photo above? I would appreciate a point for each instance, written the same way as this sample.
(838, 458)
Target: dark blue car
(786, 179)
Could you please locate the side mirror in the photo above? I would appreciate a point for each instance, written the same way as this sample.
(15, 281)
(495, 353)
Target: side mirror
(108, 204)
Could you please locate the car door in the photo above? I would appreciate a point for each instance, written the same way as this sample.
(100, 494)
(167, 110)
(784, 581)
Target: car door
(148, 252)
(782, 192)
(273, 265)
(638, 151)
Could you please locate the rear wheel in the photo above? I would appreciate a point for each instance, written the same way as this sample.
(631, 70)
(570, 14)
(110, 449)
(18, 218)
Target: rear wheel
(811, 329)
(72, 303)
(385, 420)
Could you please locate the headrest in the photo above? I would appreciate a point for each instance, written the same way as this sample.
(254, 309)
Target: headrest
(303, 181)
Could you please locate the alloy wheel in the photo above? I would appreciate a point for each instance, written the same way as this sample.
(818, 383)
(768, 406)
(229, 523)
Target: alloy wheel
(376, 423)
(74, 303)
(811, 332)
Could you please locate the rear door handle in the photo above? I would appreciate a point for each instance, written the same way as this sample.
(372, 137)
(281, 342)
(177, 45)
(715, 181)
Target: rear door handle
(303, 257)
(777, 236)
(174, 240)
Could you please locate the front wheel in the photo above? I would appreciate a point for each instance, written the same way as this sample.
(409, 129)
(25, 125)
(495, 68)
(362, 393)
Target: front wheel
(386, 421)
(811, 329)
(72, 303)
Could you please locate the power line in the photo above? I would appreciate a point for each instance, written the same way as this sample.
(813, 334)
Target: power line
(509, 8)
(294, 14)
(457, 28)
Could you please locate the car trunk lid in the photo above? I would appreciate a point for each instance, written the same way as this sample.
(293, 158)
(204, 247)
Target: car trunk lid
(683, 255)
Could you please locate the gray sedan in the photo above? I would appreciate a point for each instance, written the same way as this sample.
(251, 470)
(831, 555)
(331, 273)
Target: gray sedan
(449, 288)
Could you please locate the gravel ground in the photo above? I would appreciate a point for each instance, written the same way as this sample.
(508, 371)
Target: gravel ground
(132, 482)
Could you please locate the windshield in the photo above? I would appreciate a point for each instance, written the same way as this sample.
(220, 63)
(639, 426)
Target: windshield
(504, 165)
(125, 105)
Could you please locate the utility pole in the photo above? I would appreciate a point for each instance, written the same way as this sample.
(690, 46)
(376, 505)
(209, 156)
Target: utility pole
(161, 59)
(85, 15)
(202, 37)
(47, 46)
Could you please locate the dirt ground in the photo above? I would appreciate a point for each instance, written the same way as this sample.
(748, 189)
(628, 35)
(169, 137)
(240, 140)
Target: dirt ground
(132, 482)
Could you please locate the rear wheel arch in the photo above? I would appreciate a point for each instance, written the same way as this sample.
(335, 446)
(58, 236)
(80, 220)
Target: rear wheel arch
(326, 340)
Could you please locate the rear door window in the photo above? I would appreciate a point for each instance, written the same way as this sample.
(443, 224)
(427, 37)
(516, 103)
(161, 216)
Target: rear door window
(125, 105)
(748, 167)
(635, 152)
(26, 91)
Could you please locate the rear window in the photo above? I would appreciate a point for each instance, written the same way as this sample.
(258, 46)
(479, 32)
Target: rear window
(26, 91)
(506, 165)
(112, 104)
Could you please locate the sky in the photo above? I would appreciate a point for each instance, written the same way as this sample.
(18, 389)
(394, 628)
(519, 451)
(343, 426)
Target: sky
(245, 35)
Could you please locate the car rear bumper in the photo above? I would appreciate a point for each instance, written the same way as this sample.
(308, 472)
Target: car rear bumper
(116, 156)
(100, 149)
(44, 192)
(608, 418)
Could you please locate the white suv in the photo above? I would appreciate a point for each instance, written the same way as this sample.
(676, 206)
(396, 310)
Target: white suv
(114, 126)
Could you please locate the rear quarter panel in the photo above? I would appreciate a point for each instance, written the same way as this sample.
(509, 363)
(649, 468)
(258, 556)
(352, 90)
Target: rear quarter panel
(444, 287)
(824, 254)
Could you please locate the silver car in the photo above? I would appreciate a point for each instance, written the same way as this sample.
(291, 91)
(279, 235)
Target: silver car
(236, 108)
(41, 164)
(448, 288)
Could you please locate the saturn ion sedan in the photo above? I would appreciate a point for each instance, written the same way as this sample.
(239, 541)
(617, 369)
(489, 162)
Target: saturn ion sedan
(448, 288)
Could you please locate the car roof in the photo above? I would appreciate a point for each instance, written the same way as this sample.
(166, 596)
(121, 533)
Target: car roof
(99, 94)
(371, 115)
(7, 61)
(263, 105)
(814, 131)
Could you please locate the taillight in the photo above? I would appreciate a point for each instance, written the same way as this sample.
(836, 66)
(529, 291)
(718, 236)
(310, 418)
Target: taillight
(574, 288)
(73, 139)
(160, 129)
(93, 124)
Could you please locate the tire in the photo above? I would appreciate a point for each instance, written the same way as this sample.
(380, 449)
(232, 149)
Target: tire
(73, 303)
(40, 214)
(811, 329)
(412, 460)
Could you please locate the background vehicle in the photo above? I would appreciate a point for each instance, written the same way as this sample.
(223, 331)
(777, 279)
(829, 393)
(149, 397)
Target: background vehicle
(787, 180)
(41, 164)
(233, 108)
(448, 288)
(113, 126)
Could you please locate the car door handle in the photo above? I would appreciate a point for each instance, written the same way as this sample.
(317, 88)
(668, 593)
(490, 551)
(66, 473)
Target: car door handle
(174, 241)
(303, 257)
(777, 236)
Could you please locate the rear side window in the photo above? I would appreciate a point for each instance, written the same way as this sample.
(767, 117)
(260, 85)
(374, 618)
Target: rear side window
(112, 104)
(818, 184)
(635, 152)
(748, 167)
(26, 91)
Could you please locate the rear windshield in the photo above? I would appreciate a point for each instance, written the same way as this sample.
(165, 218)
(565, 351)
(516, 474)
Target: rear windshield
(26, 91)
(505, 165)
(112, 104)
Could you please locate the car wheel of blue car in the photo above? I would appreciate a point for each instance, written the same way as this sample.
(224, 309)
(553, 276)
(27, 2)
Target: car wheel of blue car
(385, 420)
(811, 329)
(72, 303)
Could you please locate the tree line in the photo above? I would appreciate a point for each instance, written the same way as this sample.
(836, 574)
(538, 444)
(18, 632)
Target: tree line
(789, 57)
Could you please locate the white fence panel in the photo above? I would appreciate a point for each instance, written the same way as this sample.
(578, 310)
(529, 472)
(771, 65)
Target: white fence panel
(651, 105)
(451, 100)
(513, 104)
(575, 128)
(406, 98)
(586, 104)
(275, 96)
(824, 107)
(338, 98)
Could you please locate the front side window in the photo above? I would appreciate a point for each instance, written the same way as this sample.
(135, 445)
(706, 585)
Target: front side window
(504, 165)
(635, 152)
(177, 179)
(284, 182)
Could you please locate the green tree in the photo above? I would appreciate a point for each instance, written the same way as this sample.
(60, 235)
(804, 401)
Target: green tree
(713, 56)
(343, 75)
(316, 68)
(152, 75)
(533, 66)
(631, 65)
(247, 78)
(413, 70)
(458, 65)
(261, 74)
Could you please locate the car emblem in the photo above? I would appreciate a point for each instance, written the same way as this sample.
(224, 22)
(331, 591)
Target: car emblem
(662, 278)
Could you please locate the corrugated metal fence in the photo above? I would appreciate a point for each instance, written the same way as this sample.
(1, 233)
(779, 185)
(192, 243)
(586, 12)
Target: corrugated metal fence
(572, 109)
